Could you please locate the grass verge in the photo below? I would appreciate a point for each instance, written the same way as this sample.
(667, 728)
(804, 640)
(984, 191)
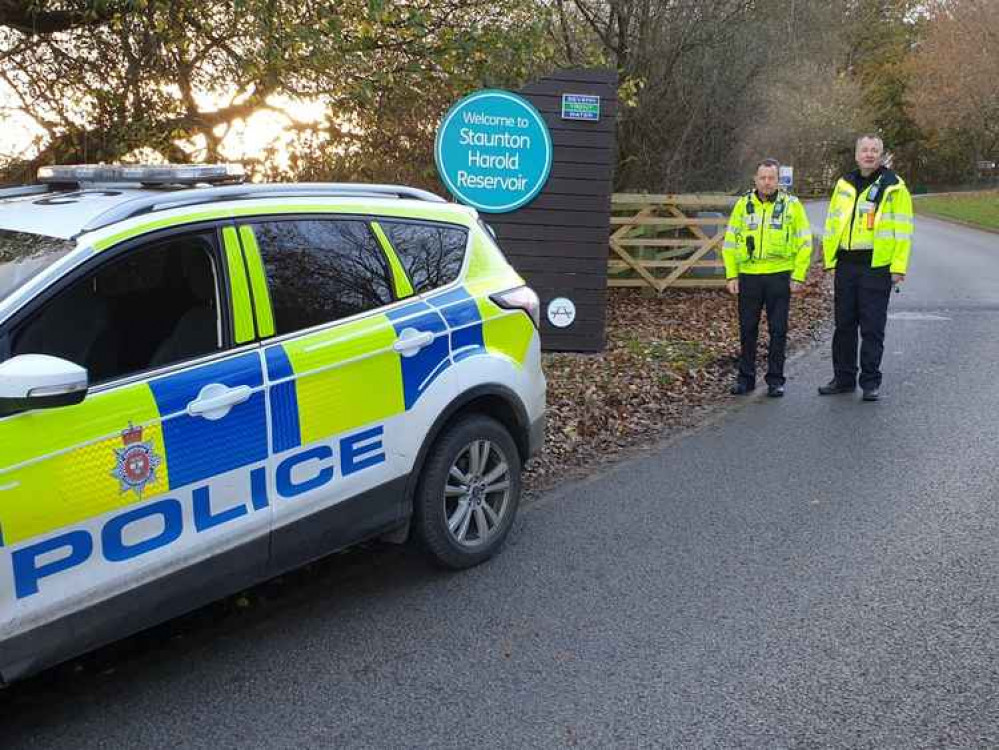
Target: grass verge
(979, 209)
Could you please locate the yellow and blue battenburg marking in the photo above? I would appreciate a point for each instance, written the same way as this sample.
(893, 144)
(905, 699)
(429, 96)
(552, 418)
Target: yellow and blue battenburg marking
(58, 465)
(285, 428)
(68, 465)
(454, 319)
(321, 385)
(113, 543)
(341, 381)
(199, 448)
(331, 381)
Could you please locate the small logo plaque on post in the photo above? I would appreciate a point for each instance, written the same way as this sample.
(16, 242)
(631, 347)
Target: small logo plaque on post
(581, 107)
(561, 312)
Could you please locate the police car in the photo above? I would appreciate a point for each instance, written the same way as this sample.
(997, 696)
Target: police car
(205, 382)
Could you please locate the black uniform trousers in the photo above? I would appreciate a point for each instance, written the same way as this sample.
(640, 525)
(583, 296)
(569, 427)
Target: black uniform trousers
(862, 295)
(756, 291)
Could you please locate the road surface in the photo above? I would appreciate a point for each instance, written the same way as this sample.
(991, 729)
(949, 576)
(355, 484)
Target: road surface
(803, 573)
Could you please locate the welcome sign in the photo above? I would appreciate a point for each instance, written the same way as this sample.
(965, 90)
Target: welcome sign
(493, 151)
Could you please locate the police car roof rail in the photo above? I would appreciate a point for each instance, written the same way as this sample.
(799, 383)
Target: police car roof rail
(197, 196)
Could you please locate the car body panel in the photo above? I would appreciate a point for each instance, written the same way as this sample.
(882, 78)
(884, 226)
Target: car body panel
(132, 506)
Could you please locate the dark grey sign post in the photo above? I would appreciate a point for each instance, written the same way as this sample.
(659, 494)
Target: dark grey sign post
(558, 240)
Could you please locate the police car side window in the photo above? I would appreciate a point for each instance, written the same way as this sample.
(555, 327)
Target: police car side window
(153, 306)
(321, 270)
(432, 255)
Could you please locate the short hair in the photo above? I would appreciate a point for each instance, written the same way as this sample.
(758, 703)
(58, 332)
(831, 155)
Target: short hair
(768, 163)
(869, 137)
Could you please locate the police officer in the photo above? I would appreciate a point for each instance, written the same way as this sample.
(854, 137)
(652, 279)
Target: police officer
(767, 250)
(867, 240)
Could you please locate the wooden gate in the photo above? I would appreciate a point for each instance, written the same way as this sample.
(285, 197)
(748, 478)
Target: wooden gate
(663, 241)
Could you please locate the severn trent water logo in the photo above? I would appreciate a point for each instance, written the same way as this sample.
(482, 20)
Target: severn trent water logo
(493, 151)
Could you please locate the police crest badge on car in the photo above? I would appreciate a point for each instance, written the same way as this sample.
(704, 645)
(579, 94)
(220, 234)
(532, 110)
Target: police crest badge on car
(136, 462)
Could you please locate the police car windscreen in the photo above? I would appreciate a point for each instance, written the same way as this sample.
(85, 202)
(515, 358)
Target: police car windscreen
(24, 255)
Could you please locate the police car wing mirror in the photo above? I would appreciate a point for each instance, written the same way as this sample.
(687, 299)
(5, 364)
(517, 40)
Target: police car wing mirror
(38, 381)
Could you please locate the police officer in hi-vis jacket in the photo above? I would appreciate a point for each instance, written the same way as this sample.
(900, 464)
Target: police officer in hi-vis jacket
(767, 250)
(867, 240)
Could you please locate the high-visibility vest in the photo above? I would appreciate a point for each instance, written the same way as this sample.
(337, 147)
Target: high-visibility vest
(877, 219)
(767, 237)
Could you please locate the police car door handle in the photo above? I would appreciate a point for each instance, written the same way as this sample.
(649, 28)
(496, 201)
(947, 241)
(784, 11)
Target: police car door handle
(410, 341)
(215, 400)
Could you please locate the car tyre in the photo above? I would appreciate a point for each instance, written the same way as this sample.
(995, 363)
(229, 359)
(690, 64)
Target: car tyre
(469, 492)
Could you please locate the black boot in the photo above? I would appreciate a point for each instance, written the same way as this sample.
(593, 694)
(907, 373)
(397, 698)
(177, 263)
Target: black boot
(833, 387)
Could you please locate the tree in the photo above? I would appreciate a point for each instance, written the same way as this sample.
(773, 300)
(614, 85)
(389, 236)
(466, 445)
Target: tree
(809, 119)
(711, 87)
(881, 35)
(33, 18)
(173, 76)
(957, 100)
(680, 95)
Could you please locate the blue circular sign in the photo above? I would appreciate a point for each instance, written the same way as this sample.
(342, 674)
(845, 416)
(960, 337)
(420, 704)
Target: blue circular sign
(493, 151)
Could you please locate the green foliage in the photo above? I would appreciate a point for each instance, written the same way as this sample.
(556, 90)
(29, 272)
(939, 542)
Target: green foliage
(882, 35)
(706, 88)
(176, 76)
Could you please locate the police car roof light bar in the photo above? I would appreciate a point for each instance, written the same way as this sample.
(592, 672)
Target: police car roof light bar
(150, 203)
(145, 174)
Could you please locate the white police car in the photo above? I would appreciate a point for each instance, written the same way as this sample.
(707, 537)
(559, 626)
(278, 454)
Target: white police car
(202, 387)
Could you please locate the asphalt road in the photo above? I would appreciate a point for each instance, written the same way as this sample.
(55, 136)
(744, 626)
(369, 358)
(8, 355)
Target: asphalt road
(804, 573)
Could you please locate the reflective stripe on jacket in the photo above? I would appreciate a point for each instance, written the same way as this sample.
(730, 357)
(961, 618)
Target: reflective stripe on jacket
(781, 237)
(850, 226)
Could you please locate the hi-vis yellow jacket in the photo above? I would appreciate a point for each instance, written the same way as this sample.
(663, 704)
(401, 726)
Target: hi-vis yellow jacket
(767, 237)
(878, 218)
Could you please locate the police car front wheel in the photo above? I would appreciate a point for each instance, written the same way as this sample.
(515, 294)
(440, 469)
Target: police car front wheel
(469, 492)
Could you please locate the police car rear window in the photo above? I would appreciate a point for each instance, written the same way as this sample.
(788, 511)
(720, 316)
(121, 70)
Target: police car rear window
(432, 255)
(23, 256)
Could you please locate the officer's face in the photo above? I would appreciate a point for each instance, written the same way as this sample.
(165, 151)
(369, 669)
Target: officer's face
(869, 153)
(766, 180)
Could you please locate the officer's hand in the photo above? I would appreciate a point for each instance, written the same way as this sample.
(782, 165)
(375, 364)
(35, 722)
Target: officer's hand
(897, 278)
(732, 285)
(796, 286)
